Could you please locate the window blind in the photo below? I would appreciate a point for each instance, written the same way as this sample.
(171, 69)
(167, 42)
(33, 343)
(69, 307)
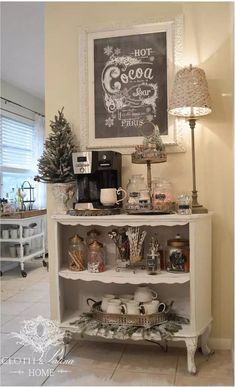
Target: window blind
(16, 143)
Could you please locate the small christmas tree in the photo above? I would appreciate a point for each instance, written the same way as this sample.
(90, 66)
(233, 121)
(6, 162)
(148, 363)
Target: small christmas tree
(55, 164)
(154, 139)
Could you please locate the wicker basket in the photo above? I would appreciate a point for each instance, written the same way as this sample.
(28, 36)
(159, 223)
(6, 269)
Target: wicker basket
(142, 320)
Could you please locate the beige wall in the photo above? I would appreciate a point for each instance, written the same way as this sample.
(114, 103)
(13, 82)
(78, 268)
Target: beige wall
(208, 43)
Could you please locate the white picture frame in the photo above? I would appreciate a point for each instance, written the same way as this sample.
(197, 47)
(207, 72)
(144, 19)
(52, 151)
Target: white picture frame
(88, 36)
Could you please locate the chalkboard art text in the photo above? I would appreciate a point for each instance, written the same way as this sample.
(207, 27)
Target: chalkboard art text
(129, 84)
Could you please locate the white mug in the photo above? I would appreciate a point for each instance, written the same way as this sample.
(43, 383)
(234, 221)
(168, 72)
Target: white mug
(31, 231)
(5, 234)
(25, 232)
(144, 294)
(114, 306)
(132, 307)
(12, 251)
(105, 299)
(150, 307)
(14, 233)
(108, 196)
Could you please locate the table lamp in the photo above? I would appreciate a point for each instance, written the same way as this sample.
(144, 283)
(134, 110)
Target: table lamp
(190, 99)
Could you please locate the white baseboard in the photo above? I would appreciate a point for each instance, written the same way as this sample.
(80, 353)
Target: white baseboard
(216, 343)
(213, 343)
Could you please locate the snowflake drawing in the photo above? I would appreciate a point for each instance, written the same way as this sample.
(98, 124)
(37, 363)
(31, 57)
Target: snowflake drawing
(117, 51)
(108, 50)
(109, 122)
(40, 334)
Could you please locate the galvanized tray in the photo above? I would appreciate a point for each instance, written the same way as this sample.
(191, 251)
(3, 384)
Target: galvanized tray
(141, 320)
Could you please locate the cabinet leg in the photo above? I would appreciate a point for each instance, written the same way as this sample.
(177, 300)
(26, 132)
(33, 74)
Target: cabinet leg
(67, 339)
(204, 339)
(191, 344)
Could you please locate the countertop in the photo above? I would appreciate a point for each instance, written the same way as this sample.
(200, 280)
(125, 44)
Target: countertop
(23, 214)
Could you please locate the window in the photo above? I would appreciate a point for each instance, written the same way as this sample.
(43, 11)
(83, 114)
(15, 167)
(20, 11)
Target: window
(17, 155)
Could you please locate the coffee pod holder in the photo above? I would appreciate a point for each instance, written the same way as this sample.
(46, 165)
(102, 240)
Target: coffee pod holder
(142, 320)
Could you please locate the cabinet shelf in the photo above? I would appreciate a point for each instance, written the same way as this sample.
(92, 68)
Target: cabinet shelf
(126, 276)
(72, 316)
(25, 257)
(191, 292)
(23, 239)
(36, 249)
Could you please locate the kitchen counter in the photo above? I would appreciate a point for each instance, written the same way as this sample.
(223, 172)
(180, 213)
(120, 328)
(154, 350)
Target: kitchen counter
(23, 214)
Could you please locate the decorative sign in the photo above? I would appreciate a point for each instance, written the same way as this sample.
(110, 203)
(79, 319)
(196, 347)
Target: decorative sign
(130, 75)
(125, 78)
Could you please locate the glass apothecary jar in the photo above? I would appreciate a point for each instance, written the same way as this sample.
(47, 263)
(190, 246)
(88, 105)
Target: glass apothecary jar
(184, 204)
(177, 254)
(77, 253)
(138, 194)
(96, 257)
(163, 199)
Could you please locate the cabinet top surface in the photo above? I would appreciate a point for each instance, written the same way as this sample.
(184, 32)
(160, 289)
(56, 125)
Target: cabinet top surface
(130, 219)
(21, 220)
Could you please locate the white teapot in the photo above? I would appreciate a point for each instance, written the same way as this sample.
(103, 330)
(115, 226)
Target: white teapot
(144, 294)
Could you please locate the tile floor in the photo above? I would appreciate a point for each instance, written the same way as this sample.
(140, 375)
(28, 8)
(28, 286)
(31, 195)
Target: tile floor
(91, 363)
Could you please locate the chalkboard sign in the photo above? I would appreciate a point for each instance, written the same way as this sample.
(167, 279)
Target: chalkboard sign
(130, 80)
(125, 78)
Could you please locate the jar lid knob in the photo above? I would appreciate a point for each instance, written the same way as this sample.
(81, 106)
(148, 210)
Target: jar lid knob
(76, 239)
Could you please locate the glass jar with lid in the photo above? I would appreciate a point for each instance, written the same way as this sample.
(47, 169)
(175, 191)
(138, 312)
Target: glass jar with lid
(95, 257)
(177, 254)
(184, 204)
(153, 258)
(77, 253)
(138, 193)
(163, 199)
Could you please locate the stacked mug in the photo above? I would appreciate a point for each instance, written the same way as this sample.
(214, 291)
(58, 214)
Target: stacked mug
(144, 301)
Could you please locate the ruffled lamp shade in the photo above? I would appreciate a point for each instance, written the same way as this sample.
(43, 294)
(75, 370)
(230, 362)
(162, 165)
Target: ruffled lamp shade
(190, 96)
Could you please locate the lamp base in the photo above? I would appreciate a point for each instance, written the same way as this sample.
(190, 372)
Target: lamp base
(196, 207)
(199, 209)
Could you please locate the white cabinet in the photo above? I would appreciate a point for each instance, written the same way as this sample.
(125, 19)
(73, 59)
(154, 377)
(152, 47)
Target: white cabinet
(191, 291)
(24, 242)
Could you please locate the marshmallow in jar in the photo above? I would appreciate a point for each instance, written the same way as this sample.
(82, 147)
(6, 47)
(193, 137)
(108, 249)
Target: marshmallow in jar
(163, 199)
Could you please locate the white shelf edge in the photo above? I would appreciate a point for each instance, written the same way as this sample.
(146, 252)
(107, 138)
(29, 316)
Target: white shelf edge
(24, 258)
(24, 239)
(128, 220)
(125, 277)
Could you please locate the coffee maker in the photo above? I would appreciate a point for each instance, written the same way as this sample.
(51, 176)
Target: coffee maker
(95, 170)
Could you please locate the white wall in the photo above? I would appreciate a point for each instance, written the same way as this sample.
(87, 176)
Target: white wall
(22, 97)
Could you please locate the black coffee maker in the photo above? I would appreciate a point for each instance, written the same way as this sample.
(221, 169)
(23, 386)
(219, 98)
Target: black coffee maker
(95, 170)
